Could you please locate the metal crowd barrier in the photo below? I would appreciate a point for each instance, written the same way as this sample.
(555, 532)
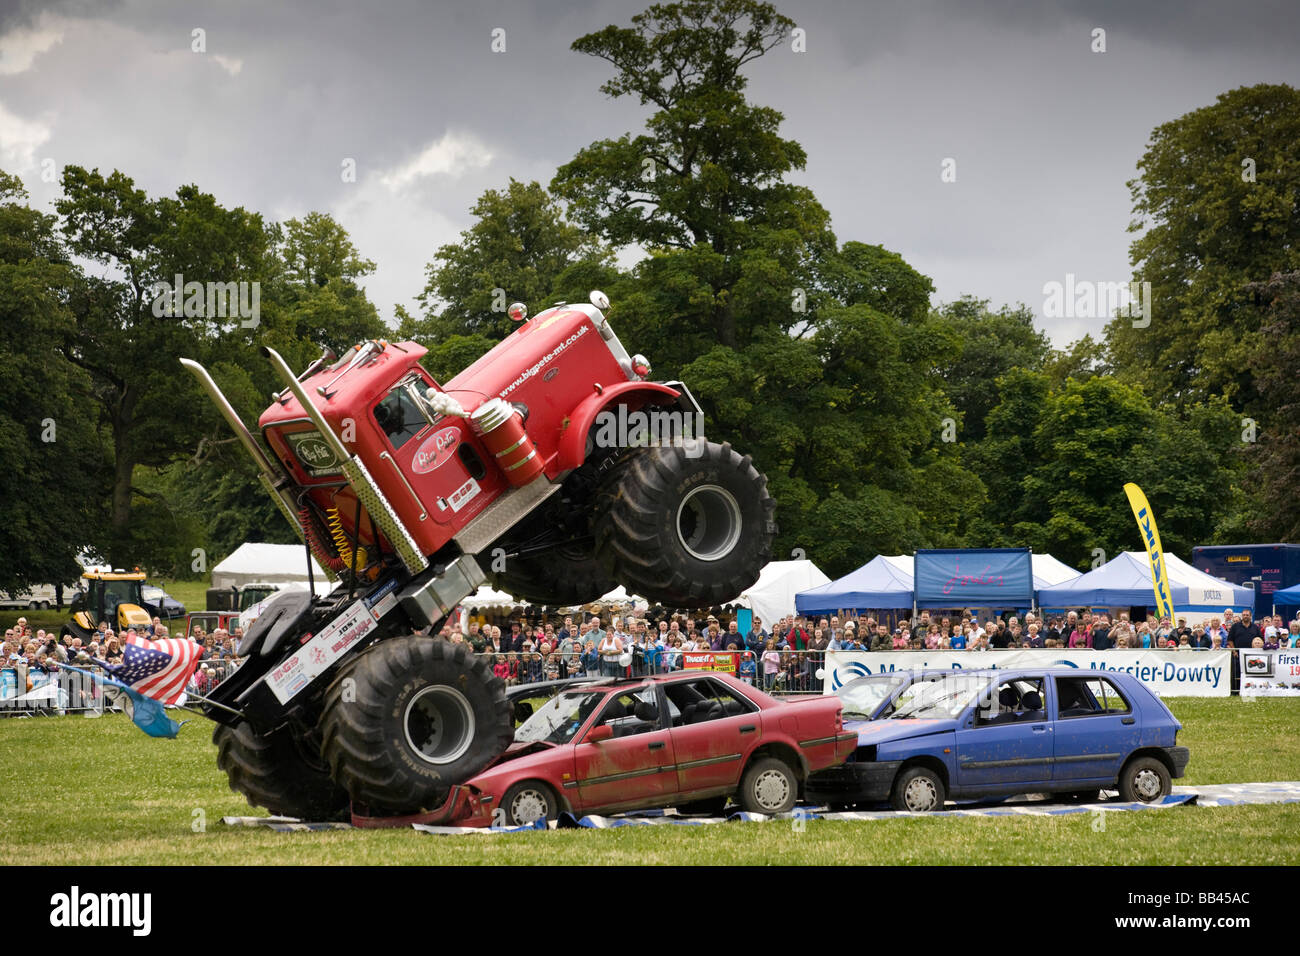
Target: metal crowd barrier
(27, 694)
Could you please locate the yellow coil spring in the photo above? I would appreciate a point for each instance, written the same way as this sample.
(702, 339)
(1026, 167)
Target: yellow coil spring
(340, 538)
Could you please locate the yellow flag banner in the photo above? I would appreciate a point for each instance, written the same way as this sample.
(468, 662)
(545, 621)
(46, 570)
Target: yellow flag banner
(1151, 539)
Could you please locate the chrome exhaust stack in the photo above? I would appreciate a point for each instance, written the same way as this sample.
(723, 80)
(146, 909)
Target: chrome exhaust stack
(358, 476)
(267, 476)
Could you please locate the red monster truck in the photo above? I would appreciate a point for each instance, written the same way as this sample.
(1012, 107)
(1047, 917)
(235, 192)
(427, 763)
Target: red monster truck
(550, 465)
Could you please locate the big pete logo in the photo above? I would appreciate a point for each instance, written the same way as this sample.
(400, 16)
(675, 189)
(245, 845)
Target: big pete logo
(77, 909)
(1151, 539)
(437, 448)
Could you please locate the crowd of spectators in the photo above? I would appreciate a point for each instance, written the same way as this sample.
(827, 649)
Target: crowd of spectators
(41, 655)
(588, 645)
(785, 656)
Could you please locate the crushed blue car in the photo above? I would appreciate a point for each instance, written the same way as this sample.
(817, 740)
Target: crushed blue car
(978, 734)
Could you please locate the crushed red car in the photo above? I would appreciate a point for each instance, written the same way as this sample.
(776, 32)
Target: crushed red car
(690, 740)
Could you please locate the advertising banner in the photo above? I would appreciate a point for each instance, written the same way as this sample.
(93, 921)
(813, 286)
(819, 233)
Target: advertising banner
(1169, 673)
(710, 661)
(1270, 673)
(1155, 554)
(992, 577)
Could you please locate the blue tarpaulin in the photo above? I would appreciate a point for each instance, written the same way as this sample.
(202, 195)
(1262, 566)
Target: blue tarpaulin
(970, 577)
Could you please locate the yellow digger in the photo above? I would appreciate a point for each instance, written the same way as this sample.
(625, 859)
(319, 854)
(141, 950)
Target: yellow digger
(112, 596)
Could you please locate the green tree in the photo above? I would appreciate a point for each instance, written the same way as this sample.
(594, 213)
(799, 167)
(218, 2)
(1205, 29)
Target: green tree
(1056, 461)
(992, 343)
(1272, 453)
(817, 359)
(124, 346)
(1217, 203)
(703, 187)
(521, 248)
(54, 468)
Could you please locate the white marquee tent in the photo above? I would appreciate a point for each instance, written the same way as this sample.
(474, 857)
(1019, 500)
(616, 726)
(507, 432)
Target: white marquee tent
(271, 563)
(772, 596)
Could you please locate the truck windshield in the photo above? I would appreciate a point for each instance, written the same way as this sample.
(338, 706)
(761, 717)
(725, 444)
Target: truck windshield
(560, 718)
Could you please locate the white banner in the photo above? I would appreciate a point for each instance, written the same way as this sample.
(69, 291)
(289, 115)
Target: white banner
(1169, 673)
(1270, 673)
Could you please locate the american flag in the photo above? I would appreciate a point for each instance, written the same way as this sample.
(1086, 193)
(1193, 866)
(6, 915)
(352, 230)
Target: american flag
(157, 669)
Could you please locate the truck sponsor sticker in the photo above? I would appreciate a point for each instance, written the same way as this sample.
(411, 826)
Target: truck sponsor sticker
(314, 657)
(383, 599)
(462, 495)
(435, 450)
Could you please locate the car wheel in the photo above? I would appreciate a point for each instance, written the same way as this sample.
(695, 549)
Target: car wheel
(769, 786)
(527, 802)
(918, 790)
(1144, 780)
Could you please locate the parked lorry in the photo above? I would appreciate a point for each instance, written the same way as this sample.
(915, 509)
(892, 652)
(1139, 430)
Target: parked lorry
(534, 468)
(1265, 567)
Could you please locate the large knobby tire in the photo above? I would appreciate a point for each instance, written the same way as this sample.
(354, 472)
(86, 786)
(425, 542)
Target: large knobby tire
(409, 718)
(918, 790)
(769, 786)
(1144, 780)
(686, 527)
(273, 773)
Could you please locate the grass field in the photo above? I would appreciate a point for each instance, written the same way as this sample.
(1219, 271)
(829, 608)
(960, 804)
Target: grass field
(97, 791)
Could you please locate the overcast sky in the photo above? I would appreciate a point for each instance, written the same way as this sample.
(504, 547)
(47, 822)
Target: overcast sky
(1044, 132)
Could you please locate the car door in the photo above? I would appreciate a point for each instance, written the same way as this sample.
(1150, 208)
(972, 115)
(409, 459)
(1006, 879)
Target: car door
(713, 728)
(635, 767)
(1096, 728)
(1004, 744)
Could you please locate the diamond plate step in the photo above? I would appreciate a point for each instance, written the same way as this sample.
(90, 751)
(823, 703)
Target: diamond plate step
(503, 514)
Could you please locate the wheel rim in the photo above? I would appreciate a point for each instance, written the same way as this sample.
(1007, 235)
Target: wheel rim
(920, 794)
(439, 724)
(771, 790)
(529, 806)
(1146, 784)
(708, 522)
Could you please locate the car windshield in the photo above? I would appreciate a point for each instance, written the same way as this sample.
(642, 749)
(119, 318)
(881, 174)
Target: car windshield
(560, 718)
(862, 696)
(941, 698)
(151, 593)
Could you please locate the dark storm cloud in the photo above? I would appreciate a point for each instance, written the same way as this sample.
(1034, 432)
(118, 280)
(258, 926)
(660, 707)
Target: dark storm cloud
(1043, 131)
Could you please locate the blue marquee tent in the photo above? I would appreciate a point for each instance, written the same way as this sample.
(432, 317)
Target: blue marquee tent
(1125, 580)
(880, 583)
(1287, 597)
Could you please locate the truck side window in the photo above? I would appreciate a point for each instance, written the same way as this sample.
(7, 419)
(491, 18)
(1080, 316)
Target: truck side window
(399, 418)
